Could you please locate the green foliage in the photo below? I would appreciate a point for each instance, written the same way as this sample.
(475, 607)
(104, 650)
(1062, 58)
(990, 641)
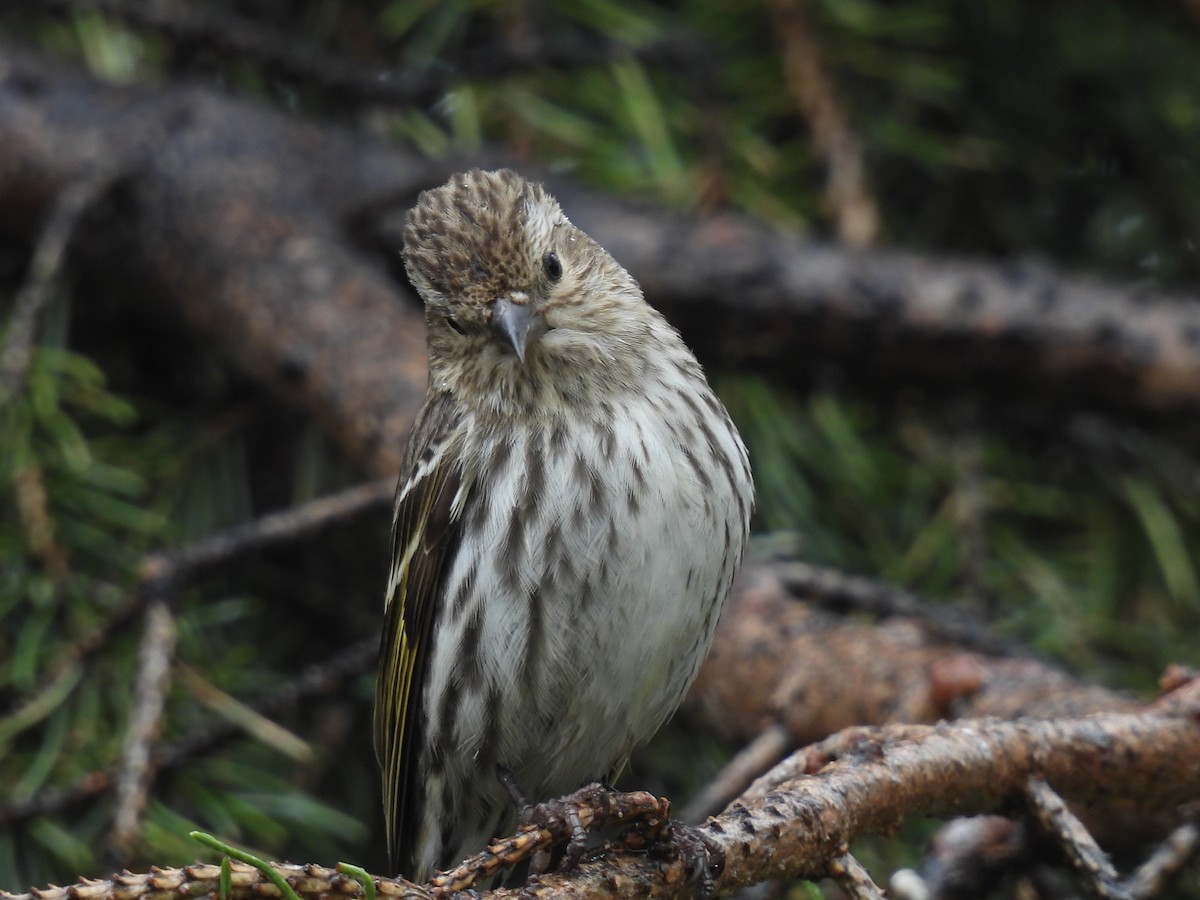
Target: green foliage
(91, 481)
(1084, 556)
(1065, 130)
(285, 890)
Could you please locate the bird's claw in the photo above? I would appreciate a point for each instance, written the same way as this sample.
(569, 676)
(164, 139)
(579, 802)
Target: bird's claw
(703, 858)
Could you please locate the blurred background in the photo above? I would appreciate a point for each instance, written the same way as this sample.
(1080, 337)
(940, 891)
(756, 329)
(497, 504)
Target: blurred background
(1054, 135)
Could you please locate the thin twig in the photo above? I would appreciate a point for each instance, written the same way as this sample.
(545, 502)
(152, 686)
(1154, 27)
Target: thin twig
(179, 566)
(846, 193)
(16, 356)
(45, 271)
(838, 590)
(168, 571)
(162, 575)
(810, 759)
(1169, 859)
(316, 679)
(1088, 859)
(136, 773)
(852, 878)
(767, 749)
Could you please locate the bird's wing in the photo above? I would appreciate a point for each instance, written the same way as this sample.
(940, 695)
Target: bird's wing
(425, 534)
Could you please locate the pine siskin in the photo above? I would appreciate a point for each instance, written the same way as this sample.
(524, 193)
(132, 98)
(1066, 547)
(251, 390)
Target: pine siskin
(574, 503)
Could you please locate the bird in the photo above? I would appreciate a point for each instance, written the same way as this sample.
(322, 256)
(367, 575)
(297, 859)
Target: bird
(573, 504)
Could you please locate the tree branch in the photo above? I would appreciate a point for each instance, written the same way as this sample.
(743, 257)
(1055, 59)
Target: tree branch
(274, 238)
(1146, 758)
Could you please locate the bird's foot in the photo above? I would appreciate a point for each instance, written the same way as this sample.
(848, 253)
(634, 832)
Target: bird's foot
(574, 815)
(568, 821)
(703, 858)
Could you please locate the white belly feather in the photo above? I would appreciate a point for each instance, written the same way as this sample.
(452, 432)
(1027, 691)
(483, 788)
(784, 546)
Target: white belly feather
(571, 715)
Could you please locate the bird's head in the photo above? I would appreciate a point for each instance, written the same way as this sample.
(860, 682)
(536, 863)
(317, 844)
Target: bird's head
(520, 304)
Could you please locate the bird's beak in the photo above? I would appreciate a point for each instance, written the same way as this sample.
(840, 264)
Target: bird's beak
(518, 324)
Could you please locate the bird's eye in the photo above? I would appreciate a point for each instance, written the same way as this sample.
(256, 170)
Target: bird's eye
(551, 266)
(453, 323)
